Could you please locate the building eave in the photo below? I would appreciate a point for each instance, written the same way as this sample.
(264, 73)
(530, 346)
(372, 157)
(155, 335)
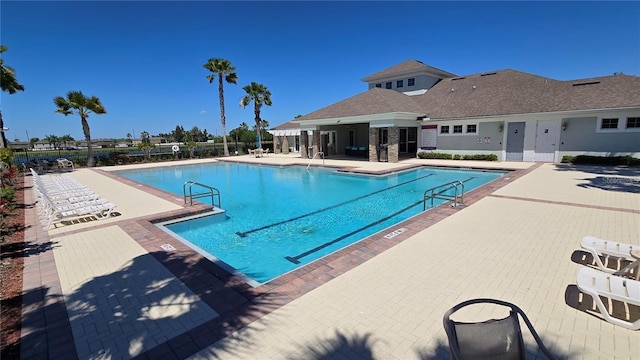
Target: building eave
(360, 119)
(577, 112)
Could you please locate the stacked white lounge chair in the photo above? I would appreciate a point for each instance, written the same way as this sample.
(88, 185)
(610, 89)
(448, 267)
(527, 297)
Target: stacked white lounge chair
(604, 282)
(62, 198)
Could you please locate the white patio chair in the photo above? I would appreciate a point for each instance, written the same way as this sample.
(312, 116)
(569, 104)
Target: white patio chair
(609, 250)
(64, 163)
(597, 283)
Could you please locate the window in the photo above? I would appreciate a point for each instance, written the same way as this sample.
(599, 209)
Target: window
(633, 123)
(471, 128)
(411, 82)
(378, 85)
(399, 83)
(387, 85)
(611, 123)
(444, 129)
(457, 129)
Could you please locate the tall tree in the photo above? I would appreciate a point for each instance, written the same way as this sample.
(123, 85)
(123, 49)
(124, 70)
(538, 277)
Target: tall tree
(65, 139)
(179, 134)
(9, 84)
(53, 141)
(76, 102)
(225, 71)
(264, 125)
(146, 144)
(260, 95)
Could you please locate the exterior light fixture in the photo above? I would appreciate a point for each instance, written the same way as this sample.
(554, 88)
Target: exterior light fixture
(564, 126)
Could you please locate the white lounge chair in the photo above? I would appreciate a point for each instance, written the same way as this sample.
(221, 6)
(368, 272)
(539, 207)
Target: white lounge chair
(64, 163)
(64, 198)
(597, 283)
(610, 250)
(52, 213)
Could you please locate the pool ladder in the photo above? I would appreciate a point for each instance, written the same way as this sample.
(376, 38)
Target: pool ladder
(314, 156)
(457, 197)
(206, 191)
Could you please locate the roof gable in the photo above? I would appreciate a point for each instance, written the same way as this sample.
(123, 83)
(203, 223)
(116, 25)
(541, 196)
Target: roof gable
(408, 67)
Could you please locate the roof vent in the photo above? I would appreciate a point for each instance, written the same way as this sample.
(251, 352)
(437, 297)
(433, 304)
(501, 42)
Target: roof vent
(487, 74)
(458, 78)
(587, 83)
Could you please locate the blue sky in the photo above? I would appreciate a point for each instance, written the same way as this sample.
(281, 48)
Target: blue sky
(144, 59)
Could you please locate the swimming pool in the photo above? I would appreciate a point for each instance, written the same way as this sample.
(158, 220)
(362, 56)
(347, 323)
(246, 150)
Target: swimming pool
(280, 218)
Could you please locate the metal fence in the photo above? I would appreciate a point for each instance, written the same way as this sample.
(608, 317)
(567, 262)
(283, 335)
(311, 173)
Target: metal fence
(46, 159)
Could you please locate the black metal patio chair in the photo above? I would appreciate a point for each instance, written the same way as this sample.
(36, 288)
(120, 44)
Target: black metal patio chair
(496, 339)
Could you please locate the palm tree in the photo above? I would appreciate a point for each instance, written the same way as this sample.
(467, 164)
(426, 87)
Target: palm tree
(223, 69)
(66, 139)
(260, 95)
(146, 144)
(77, 102)
(53, 141)
(9, 84)
(264, 125)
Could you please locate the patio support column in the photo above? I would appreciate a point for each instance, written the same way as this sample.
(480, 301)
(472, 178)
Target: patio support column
(276, 144)
(394, 144)
(373, 144)
(315, 146)
(285, 144)
(304, 144)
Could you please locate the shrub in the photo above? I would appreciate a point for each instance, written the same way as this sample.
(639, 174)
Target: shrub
(485, 157)
(457, 157)
(605, 160)
(9, 176)
(567, 159)
(6, 155)
(434, 155)
(81, 161)
(6, 199)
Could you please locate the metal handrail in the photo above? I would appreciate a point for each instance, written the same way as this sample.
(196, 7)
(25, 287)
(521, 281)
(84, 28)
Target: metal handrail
(321, 153)
(213, 192)
(442, 196)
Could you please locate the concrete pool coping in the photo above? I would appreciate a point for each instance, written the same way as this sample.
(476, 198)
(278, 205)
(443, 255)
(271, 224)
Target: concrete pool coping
(241, 309)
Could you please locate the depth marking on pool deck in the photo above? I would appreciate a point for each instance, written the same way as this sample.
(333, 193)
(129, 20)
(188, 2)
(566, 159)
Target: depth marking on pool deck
(296, 259)
(167, 247)
(395, 233)
(245, 233)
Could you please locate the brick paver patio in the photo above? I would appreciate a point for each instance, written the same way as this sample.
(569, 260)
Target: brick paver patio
(108, 289)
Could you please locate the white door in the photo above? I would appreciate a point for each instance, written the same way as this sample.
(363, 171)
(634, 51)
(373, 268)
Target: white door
(547, 140)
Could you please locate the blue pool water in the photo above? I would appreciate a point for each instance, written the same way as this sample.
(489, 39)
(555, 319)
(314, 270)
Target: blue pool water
(280, 218)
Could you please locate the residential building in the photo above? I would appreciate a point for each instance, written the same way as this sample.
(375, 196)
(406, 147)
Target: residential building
(413, 107)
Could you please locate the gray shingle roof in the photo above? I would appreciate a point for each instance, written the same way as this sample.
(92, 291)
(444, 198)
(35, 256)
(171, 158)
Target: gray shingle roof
(404, 67)
(501, 92)
(513, 92)
(287, 126)
(373, 101)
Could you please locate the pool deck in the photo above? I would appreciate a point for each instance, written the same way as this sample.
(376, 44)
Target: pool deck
(122, 288)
